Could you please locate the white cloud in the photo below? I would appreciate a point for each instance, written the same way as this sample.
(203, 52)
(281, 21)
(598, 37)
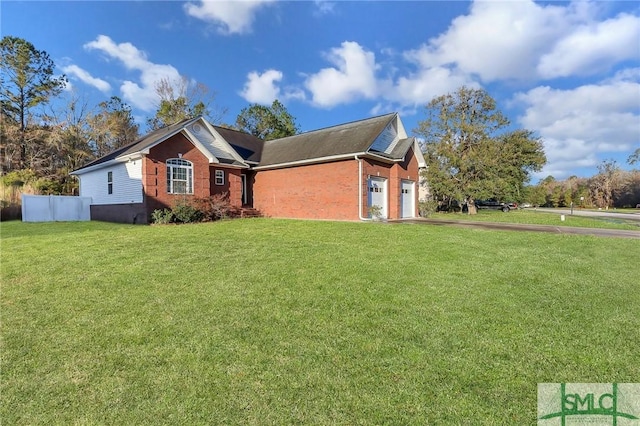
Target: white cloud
(496, 40)
(421, 87)
(143, 94)
(523, 40)
(229, 17)
(593, 48)
(324, 7)
(262, 88)
(578, 124)
(352, 78)
(85, 77)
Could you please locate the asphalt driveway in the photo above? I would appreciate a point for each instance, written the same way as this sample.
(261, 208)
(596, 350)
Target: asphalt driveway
(616, 233)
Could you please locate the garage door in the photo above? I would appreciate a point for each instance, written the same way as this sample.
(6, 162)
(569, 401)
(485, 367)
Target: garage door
(407, 198)
(378, 194)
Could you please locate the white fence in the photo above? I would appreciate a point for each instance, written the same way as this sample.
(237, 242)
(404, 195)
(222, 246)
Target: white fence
(51, 208)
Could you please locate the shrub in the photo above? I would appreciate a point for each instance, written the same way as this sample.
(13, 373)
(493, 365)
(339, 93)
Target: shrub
(184, 212)
(162, 217)
(427, 208)
(375, 212)
(215, 207)
(48, 186)
(18, 177)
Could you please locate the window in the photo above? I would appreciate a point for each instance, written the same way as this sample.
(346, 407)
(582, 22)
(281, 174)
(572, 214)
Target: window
(179, 176)
(219, 177)
(109, 183)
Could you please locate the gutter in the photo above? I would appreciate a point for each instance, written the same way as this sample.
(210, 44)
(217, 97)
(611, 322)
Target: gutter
(359, 160)
(327, 159)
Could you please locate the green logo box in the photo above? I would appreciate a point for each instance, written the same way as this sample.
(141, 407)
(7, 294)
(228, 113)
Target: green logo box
(592, 404)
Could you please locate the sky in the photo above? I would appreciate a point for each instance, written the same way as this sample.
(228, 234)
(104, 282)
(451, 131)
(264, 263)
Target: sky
(568, 71)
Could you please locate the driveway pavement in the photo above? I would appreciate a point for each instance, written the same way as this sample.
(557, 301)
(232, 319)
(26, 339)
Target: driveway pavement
(616, 233)
(591, 213)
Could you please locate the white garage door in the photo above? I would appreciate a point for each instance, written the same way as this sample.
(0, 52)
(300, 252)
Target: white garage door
(377, 189)
(407, 199)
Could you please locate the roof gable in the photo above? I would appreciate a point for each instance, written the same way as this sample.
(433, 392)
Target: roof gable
(197, 130)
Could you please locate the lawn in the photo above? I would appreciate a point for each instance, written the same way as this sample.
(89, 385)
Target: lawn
(265, 322)
(531, 216)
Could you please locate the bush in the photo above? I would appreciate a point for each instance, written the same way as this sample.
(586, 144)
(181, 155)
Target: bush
(48, 186)
(186, 213)
(215, 207)
(427, 208)
(162, 217)
(18, 177)
(375, 212)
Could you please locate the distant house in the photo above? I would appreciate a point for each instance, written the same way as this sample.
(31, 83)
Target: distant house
(334, 173)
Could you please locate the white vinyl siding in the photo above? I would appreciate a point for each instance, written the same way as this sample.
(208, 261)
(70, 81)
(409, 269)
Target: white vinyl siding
(217, 147)
(386, 140)
(126, 184)
(390, 136)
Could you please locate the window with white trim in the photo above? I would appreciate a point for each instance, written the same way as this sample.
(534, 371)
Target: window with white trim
(219, 177)
(109, 183)
(179, 176)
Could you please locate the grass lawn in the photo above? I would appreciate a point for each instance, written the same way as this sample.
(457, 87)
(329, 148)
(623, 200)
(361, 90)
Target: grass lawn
(532, 216)
(265, 321)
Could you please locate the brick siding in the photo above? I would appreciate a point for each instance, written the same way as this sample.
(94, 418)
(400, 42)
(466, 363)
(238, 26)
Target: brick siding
(330, 190)
(154, 171)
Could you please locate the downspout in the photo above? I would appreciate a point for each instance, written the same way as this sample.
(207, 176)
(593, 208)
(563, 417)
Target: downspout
(359, 160)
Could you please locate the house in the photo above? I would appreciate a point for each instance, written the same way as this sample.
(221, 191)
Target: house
(338, 173)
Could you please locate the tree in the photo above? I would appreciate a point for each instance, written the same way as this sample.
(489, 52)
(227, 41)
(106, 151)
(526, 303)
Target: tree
(634, 158)
(27, 81)
(111, 127)
(67, 140)
(605, 183)
(267, 123)
(468, 152)
(182, 99)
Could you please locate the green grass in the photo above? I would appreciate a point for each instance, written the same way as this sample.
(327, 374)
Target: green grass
(290, 322)
(531, 216)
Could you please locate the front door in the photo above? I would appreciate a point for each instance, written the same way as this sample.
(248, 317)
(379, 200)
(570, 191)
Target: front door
(244, 189)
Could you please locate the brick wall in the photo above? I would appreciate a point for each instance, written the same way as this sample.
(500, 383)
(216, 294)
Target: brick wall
(329, 190)
(232, 185)
(317, 191)
(154, 172)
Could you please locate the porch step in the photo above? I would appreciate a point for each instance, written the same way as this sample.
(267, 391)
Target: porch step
(250, 212)
(244, 212)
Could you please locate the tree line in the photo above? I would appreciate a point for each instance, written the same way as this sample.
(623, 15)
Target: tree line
(46, 132)
(610, 187)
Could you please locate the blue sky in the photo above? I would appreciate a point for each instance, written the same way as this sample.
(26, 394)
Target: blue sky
(569, 71)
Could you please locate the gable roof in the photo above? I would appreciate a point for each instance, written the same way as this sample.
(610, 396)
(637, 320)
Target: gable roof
(138, 145)
(344, 139)
(381, 137)
(217, 150)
